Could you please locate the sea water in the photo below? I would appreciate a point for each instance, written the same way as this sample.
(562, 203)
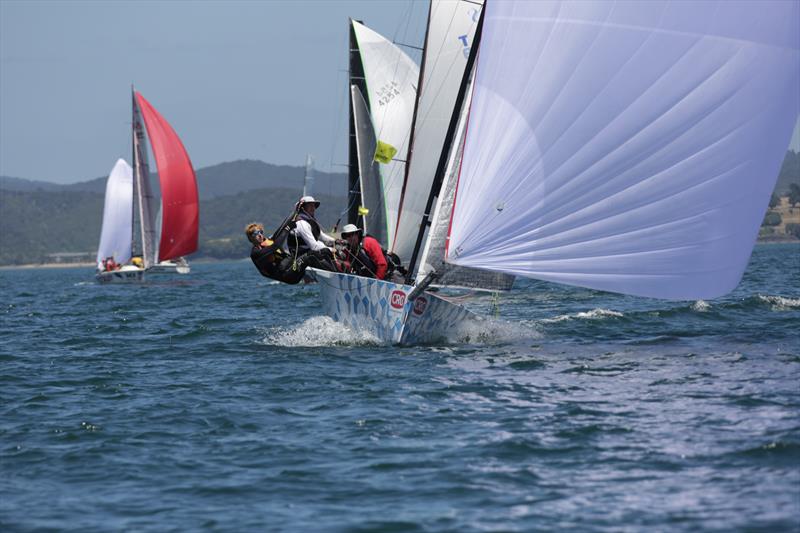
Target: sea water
(220, 401)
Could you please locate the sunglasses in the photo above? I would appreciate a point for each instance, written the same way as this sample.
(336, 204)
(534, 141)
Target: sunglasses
(258, 232)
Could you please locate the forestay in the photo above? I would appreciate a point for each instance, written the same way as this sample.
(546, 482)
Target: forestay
(451, 27)
(626, 146)
(391, 79)
(117, 231)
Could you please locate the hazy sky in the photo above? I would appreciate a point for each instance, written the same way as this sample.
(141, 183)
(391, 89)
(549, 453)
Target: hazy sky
(252, 79)
(236, 79)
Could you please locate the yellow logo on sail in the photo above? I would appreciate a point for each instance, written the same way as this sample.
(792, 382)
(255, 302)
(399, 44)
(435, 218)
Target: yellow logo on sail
(384, 152)
(363, 211)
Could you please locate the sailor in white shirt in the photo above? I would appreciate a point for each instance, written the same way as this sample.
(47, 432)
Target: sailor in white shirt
(308, 233)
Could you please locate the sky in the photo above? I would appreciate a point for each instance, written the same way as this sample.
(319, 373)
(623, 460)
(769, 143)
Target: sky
(236, 79)
(258, 79)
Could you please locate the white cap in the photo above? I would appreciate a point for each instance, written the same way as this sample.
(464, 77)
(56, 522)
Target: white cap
(307, 200)
(350, 228)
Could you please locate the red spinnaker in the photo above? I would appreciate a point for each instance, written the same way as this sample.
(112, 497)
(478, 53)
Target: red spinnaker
(180, 211)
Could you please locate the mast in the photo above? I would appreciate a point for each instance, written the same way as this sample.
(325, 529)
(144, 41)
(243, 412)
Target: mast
(451, 130)
(135, 173)
(355, 77)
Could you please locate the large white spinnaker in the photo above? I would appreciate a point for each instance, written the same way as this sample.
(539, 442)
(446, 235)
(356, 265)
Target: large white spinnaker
(117, 230)
(451, 27)
(391, 79)
(626, 146)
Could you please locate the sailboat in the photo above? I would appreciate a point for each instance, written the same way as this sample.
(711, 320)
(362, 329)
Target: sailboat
(130, 199)
(423, 101)
(624, 147)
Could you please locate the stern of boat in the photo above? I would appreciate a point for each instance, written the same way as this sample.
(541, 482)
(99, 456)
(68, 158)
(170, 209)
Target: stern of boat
(126, 274)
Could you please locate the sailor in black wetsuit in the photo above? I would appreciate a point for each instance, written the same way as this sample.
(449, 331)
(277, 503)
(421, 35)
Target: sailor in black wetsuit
(273, 262)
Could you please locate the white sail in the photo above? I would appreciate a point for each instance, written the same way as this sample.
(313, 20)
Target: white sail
(626, 146)
(145, 199)
(117, 230)
(451, 27)
(391, 79)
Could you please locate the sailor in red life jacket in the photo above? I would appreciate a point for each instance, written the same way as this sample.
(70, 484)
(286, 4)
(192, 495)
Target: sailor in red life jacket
(364, 254)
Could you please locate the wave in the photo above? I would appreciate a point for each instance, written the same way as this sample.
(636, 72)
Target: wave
(778, 303)
(594, 314)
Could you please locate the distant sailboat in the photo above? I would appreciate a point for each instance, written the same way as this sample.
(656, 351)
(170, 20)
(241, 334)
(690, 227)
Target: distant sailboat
(627, 147)
(176, 227)
(308, 179)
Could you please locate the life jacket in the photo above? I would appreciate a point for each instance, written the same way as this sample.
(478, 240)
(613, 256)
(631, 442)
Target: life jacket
(297, 246)
(363, 265)
(393, 262)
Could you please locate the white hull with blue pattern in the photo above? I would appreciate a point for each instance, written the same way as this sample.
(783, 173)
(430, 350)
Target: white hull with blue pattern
(383, 309)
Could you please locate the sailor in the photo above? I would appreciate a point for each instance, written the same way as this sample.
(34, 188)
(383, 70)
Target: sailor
(365, 254)
(273, 262)
(307, 234)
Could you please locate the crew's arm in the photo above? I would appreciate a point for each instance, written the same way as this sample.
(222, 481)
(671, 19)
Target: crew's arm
(327, 239)
(281, 235)
(303, 230)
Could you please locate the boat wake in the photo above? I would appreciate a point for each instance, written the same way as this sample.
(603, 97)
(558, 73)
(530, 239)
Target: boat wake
(493, 331)
(318, 331)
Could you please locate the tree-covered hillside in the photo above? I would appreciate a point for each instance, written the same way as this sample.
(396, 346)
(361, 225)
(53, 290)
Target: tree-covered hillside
(36, 224)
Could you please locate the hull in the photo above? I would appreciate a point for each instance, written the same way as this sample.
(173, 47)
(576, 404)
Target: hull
(181, 266)
(384, 310)
(126, 274)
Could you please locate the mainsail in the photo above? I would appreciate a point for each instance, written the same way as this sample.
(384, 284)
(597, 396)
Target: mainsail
(391, 78)
(142, 190)
(629, 147)
(180, 213)
(451, 27)
(374, 218)
(117, 230)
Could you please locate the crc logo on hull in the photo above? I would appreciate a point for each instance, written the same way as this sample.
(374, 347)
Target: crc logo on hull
(397, 299)
(419, 305)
